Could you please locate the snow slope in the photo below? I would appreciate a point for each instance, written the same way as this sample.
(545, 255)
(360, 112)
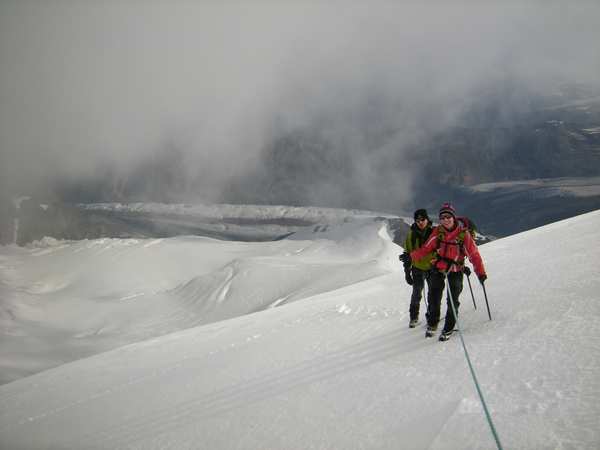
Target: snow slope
(338, 368)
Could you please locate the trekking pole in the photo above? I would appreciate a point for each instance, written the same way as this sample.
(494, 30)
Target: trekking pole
(486, 300)
(471, 289)
(426, 291)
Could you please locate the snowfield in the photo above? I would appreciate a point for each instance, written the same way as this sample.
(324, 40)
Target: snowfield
(302, 343)
(545, 187)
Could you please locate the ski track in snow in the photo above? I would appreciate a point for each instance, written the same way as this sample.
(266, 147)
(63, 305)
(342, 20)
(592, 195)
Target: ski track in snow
(187, 413)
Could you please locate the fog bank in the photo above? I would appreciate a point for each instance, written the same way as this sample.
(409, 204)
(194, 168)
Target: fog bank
(204, 89)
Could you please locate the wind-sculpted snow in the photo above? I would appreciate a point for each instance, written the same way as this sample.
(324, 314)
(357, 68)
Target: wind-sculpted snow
(221, 221)
(337, 368)
(69, 299)
(226, 211)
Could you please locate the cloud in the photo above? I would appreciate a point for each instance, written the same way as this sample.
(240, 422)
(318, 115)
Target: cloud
(86, 84)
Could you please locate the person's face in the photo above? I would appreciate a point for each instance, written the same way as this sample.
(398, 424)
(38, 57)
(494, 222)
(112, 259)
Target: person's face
(447, 221)
(421, 222)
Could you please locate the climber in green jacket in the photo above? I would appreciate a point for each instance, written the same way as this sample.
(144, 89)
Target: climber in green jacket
(417, 272)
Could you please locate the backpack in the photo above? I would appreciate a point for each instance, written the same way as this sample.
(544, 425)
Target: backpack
(467, 223)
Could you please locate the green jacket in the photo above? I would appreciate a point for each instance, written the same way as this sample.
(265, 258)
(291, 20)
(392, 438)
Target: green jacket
(415, 239)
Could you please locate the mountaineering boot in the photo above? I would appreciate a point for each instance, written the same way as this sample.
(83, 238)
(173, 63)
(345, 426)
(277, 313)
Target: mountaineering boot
(445, 335)
(430, 330)
(413, 323)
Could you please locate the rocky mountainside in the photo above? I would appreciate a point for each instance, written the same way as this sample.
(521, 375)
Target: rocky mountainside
(529, 137)
(555, 136)
(500, 136)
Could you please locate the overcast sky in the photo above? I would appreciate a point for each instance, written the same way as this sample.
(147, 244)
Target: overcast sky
(86, 82)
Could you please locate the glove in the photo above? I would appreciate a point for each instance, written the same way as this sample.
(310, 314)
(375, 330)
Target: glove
(405, 258)
(408, 278)
(466, 271)
(482, 278)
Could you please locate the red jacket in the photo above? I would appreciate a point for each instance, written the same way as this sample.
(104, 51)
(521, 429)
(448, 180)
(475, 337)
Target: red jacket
(448, 246)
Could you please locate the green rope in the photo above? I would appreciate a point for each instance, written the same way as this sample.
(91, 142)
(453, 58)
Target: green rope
(477, 386)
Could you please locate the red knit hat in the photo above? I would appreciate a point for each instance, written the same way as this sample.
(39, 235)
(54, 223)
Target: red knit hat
(447, 208)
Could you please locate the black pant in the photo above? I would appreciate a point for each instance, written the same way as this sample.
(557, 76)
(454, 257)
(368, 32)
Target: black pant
(436, 291)
(419, 278)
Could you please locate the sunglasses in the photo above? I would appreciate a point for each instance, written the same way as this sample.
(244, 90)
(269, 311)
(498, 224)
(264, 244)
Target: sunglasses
(446, 217)
(421, 219)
